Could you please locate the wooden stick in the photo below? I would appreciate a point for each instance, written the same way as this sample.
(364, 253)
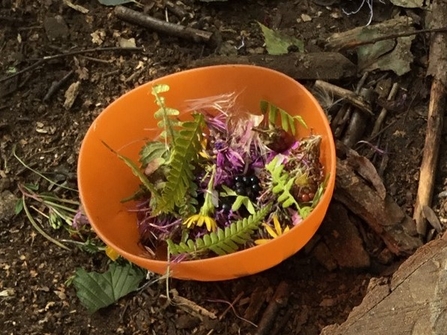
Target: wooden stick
(384, 111)
(430, 153)
(172, 29)
(279, 300)
(314, 65)
(436, 108)
(339, 122)
(369, 34)
(348, 95)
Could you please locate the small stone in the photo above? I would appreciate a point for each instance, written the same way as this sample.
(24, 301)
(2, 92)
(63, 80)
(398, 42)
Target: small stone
(71, 94)
(5, 183)
(8, 203)
(185, 321)
(56, 28)
(324, 256)
(328, 302)
(306, 18)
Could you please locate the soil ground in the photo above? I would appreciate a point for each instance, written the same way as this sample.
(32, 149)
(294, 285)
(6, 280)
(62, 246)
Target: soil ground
(47, 136)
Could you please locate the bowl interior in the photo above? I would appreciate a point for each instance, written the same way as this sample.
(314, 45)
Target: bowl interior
(125, 125)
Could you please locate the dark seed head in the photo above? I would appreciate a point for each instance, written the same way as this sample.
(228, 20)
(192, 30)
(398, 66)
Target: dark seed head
(241, 191)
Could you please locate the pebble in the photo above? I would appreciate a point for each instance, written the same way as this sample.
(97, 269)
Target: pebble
(8, 203)
(305, 18)
(56, 28)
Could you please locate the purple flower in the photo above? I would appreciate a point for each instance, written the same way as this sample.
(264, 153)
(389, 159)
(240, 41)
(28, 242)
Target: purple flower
(79, 220)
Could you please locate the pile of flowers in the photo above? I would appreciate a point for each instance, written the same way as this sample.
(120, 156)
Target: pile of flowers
(225, 179)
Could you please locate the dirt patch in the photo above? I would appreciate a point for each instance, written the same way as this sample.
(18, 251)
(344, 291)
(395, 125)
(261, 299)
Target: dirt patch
(34, 273)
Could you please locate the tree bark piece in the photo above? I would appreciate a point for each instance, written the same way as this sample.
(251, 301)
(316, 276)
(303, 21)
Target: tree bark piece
(438, 69)
(369, 34)
(318, 65)
(172, 29)
(342, 238)
(384, 216)
(412, 302)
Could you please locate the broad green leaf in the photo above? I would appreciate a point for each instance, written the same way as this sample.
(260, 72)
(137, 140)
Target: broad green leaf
(19, 206)
(97, 290)
(278, 43)
(115, 2)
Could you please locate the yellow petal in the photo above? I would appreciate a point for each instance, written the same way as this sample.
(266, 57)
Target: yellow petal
(270, 231)
(277, 225)
(210, 223)
(111, 253)
(262, 241)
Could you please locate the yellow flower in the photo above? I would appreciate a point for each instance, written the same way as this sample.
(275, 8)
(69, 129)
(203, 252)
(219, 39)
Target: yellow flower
(199, 220)
(111, 253)
(206, 210)
(278, 231)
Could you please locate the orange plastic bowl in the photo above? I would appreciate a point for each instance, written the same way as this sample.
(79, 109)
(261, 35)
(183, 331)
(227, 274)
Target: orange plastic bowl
(104, 180)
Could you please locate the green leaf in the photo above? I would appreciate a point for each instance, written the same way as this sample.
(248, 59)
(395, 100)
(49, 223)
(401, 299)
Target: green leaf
(98, 290)
(278, 43)
(223, 241)
(287, 121)
(152, 150)
(19, 206)
(282, 183)
(180, 177)
(115, 2)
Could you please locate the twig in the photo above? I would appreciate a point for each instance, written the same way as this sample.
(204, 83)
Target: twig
(172, 29)
(56, 85)
(191, 307)
(356, 44)
(436, 108)
(384, 111)
(358, 122)
(347, 95)
(231, 306)
(340, 120)
(71, 53)
(279, 300)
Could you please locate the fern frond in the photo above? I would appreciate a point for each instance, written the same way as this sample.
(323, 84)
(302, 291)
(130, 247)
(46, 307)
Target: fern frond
(287, 121)
(151, 151)
(282, 183)
(165, 114)
(222, 241)
(185, 151)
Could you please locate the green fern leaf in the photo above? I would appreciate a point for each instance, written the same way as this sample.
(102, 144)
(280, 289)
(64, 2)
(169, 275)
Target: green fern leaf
(180, 176)
(287, 121)
(166, 114)
(282, 183)
(152, 150)
(223, 241)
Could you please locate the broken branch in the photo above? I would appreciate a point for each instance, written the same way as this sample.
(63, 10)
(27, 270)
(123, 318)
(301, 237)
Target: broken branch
(436, 108)
(317, 65)
(347, 95)
(168, 28)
